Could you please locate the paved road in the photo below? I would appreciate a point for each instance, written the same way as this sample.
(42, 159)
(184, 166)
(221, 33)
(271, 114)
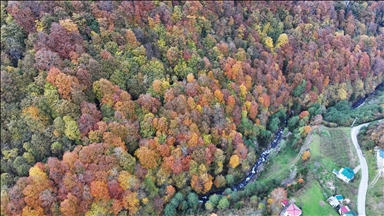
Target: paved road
(361, 196)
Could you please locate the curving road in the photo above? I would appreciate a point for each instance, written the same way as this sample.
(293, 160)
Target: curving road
(362, 193)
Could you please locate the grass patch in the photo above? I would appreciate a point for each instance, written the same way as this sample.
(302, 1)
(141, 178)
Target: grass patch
(279, 165)
(370, 157)
(310, 200)
(339, 148)
(374, 203)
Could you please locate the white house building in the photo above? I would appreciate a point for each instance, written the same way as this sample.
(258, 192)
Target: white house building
(345, 174)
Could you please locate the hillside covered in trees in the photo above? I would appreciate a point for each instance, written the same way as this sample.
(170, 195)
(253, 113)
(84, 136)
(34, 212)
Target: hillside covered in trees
(141, 107)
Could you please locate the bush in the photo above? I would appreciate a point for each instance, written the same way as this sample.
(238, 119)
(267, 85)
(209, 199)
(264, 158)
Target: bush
(254, 200)
(227, 191)
(209, 206)
(238, 205)
(175, 202)
(214, 199)
(170, 210)
(230, 179)
(241, 193)
(184, 205)
(234, 197)
(223, 203)
(369, 145)
(261, 206)
(250, 189)
(6, 179)
(193, 200)
(179, 196)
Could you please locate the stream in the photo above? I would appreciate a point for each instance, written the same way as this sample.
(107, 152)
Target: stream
(255, 169)
(264, 155)
(361, 101)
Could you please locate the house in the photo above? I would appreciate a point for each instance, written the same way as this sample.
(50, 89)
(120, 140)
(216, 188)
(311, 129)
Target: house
(333, 201)
(381, 153)
(345, 174)
(290, 209)
(345, 211)
(380, 160)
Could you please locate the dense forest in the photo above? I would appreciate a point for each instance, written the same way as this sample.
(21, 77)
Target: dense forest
(141, 107)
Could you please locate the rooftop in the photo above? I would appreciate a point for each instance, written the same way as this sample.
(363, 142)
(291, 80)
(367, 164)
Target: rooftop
(350, 213)
(333, 201)
(293, 210)
(381, 153)
(344, 209)
(339, 197)
(348, 172)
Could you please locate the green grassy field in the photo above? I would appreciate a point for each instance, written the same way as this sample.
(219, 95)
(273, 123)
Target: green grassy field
(279, 165)
(336, 148)
(375, 195)
(317, 155)
(312, 201)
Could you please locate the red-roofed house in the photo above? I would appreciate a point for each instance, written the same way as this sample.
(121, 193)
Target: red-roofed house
(292, 210)
(345, 211)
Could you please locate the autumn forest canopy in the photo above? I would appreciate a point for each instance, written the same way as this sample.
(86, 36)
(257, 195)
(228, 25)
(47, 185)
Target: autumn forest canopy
(139, 107)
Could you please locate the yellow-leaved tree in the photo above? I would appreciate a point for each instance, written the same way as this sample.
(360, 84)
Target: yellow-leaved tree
(268, 42)
(234, 161)
(283, 39)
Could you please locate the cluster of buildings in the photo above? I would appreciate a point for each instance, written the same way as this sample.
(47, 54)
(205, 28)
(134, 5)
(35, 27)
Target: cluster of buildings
(347, 175)
(337, 202)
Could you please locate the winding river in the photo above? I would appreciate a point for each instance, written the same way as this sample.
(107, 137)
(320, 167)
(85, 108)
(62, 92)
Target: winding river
(264, 155)
(263, 158)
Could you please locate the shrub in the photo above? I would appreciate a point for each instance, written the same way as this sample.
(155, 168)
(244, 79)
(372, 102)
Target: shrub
(214, 199)
(184, 205)
(254, 200)
(179, 196)
(230, 179)
(369, 145)
(234, 197)
(227, 191)
(250, 189)
(193, 200)
(209, 206)
(170, 210)
(174, 202)
(223, 203)
(238, 205)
